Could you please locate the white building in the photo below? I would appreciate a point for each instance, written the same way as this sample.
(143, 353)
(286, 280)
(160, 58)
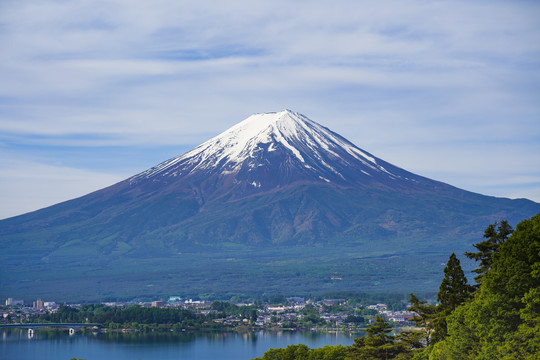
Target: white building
(13, 302)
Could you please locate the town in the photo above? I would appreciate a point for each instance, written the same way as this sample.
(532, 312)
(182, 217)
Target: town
(285, 313)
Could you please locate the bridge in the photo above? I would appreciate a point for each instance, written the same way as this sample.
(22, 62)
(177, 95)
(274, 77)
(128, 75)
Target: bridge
(32, 326)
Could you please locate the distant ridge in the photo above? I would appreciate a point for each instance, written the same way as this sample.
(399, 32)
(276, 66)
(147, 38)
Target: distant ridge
(277, 191)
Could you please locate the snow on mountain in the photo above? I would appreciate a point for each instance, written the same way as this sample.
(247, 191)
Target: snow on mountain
(275, 195)
(277, 142)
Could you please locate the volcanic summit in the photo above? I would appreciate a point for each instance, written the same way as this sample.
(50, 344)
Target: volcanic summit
(275, 185)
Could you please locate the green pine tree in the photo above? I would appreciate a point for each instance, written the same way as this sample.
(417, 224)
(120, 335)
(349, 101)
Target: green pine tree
(494, 236)
(378, 344)
(503, 319)
(453, 292)
(424, 318)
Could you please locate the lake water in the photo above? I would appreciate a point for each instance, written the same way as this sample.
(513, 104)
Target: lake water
(59, 345)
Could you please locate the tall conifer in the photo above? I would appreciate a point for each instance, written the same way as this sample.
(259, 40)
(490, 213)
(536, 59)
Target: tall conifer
(377, 345)
(453, 292)
(424, 318)
(494, 236)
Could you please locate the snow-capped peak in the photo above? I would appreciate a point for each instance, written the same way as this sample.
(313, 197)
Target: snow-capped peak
(249, 144)
(240, 141)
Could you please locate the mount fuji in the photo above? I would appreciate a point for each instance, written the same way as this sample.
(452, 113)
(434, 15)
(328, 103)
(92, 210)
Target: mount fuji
(272, 150)
(275, 204)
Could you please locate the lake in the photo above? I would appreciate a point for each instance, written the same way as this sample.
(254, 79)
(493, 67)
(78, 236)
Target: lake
(59, 345)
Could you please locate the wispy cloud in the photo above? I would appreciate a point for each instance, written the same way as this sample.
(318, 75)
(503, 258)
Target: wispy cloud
(388, 75)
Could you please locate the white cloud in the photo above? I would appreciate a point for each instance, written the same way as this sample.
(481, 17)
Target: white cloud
(385, 74)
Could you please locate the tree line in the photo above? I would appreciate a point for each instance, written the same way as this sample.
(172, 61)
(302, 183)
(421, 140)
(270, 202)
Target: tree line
(496, 318)
(133, 314)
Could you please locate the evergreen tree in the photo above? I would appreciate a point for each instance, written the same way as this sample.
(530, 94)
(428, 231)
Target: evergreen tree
(412, 342)
(302, 352)
(454, 289)
(494, 236)
(525, 342)
(424, 318)
(378, 344)
(453, 292)
(503, 319)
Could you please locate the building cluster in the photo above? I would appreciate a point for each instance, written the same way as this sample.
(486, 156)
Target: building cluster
(174, 302)
(283, 315)
(327, 313)
(15, 311)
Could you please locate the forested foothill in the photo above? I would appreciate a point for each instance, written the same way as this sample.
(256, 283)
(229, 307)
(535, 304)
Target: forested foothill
(496, 318)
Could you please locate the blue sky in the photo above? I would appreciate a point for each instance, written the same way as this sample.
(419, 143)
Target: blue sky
(92, 92)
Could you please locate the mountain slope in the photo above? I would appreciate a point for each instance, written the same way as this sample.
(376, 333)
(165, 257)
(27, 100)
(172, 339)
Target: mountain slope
(275, 186)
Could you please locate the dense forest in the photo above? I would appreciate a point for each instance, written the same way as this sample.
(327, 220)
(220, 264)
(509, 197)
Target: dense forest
(496, 318)
(114, 317)
(145, 318)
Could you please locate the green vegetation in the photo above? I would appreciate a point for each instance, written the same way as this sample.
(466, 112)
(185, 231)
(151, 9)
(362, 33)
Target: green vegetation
(133, 317)
(301, 351)
(495, 236)
(311, 317)
(145, 318)
(502, 321)
(497, 319)
(378, 344)
(220, 273)
(225, 308)
(453, 292)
